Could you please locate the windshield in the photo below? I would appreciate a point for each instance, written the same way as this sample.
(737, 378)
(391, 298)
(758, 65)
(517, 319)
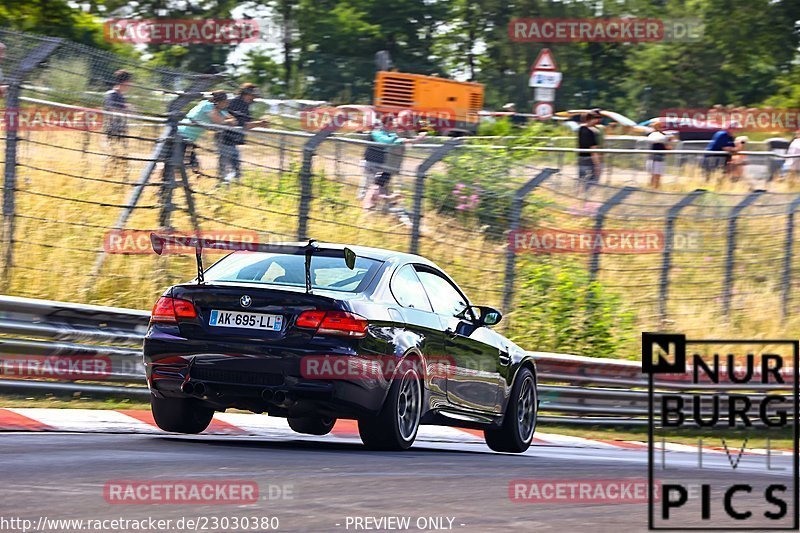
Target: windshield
(329, 273)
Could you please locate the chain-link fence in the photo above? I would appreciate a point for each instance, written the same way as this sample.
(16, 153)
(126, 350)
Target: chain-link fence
(511, 222)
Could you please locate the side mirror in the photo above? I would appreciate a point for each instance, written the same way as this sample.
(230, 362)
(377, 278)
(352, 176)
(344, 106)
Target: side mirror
(349, 258)
(485, 315)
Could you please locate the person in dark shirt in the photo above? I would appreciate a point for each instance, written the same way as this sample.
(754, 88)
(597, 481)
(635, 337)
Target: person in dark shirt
(116, 124)
(722, 141)
(228, 141)
(588, 163)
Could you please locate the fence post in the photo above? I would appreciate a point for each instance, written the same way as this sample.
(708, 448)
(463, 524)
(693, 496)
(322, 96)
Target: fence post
(733, 218)
(26, 65)
(281, 155)
(171, 157)
(787, 258)
(669, 239)
(513, 226)
(594, 261)
(419, 189)
(306, 184)
(338, 162)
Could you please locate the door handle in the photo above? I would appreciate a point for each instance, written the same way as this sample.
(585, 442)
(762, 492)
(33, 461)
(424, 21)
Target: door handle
(505, 359)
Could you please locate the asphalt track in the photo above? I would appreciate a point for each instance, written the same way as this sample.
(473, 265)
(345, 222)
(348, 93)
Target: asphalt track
(334, 481)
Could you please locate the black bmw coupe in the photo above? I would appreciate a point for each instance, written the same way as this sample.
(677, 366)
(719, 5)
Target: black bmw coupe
(314, 332)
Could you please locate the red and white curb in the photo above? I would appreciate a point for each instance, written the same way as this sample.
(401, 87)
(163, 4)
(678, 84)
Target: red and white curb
(244, 424)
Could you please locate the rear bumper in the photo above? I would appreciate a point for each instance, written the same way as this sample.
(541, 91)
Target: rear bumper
(273, 383)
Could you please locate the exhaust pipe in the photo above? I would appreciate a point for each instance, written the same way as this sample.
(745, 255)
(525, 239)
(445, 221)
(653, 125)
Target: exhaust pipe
(279, 396)
(194, 388)
(267, 395)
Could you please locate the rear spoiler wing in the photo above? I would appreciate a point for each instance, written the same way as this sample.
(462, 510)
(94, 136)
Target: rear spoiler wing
(159, 242)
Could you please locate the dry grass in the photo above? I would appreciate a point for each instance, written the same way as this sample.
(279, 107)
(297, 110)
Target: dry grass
(58, 241)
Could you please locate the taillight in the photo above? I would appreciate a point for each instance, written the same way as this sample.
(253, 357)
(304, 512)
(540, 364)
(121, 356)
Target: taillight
(169, 309)
(333, 323)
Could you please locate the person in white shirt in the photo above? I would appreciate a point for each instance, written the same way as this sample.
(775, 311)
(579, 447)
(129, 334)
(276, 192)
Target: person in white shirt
(655, 163)
(792, 165)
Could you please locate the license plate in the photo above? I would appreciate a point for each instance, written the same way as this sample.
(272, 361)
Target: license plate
(238, 319)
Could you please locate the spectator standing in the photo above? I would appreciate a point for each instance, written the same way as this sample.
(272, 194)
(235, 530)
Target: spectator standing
(377, 159)
(722, 141)
(228, 141)
(116, 124)
(211, 111)
(588, 163)
(517, 120)
(655, 163)
(791, 166)
(738, 160)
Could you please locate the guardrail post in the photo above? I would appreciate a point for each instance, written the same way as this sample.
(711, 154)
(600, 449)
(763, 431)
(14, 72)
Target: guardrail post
(669, 239)
(514, 222)
(306, 184)
(733, 218)
(594, 261)
(26, 65)
(788, 255)
(419, 189)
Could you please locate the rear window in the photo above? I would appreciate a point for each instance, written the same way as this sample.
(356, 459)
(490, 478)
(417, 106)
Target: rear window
(327, 272)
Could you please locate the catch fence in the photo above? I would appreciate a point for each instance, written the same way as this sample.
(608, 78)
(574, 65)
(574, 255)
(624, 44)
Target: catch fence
(574, 268)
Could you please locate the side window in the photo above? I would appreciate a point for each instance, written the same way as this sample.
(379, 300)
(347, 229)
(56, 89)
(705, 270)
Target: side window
(408, 290)
(445, 298)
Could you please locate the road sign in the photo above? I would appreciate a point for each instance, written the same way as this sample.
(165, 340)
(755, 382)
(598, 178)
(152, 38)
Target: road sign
(545, 61)
(543, 110)
(545, 78)
(544, 94)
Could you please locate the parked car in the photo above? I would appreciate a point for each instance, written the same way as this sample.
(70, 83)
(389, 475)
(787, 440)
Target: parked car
(315, 332)
(686, 129)
(615, 123)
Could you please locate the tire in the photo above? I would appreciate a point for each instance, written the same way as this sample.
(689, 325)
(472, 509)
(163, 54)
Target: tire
(519, 422)
(312, 425)
(180, 415)
(396, 426)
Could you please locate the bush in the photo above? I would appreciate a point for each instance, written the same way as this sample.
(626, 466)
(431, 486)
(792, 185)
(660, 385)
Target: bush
(559, 310)
(477, 187)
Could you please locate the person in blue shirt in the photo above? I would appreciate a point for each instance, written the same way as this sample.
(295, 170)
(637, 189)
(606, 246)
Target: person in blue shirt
(722, 141)
(381, 162)
(211, 111)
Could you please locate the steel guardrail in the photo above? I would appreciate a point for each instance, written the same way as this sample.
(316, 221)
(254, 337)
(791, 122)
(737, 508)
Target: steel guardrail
(573, 389)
